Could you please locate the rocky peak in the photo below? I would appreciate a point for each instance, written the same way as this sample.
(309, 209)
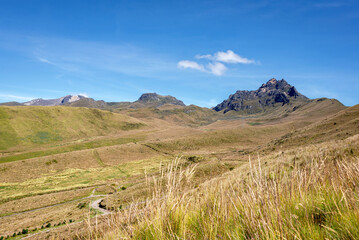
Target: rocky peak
(150, 97)
(71, 98)
(272, 93)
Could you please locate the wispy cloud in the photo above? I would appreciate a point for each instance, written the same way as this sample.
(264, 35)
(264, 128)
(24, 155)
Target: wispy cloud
(81, 94)
(10, 97)
(44, 60)
(216, 65)
(88, 58)
(226, 57)
(217, 68)
(190, 64)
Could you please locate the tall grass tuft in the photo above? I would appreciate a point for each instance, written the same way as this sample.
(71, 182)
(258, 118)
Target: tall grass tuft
(315, 198)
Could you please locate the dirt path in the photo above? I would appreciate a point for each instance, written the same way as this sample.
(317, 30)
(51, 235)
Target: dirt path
(96, 205)
(50, 206)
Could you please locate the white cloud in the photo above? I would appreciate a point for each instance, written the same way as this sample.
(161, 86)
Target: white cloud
(207, 56)
(44, 60)
(217, 68)
(82, 94)
(231, 57)
(226, 57)
(10, 97)
(190, 64)
(216, 62)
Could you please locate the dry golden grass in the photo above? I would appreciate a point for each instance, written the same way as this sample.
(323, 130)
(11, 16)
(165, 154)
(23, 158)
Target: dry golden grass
(41, 217)
(39, 201)
(313, 196)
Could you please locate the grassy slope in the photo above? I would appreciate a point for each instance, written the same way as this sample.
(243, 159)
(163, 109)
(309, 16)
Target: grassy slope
(312, 199)
(304, 193)
(21, 126)
(338, 126)
(307, 192)
(188, 115)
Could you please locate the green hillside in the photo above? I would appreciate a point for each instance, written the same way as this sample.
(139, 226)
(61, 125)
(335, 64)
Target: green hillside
(40, 125)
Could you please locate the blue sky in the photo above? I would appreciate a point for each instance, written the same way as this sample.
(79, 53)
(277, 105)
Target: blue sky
(197, 51)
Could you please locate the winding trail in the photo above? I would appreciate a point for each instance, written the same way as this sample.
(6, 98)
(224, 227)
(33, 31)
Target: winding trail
(54, 205)
(96, 205)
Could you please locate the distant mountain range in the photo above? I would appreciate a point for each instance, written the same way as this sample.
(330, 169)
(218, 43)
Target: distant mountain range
(146, 100)
(268, 98)
(54, 102)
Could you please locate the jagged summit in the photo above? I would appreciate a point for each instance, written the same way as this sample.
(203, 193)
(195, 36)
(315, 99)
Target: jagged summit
(271, 94)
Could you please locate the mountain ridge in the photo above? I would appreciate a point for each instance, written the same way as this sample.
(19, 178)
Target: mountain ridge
(271, 97)
(274, 93)
(54, 102)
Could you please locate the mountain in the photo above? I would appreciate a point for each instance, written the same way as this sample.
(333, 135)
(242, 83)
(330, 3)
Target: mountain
(146, 100)
(155, 100)
(10, 104)
(54, 102)
(274, 93)
(87, 102)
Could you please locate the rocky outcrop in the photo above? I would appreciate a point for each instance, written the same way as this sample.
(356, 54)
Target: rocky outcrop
(271, 94)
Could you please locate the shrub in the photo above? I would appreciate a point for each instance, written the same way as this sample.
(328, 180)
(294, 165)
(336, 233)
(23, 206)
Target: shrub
(81, 205)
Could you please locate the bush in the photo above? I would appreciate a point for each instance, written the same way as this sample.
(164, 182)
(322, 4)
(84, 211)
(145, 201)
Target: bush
(81, 205)
(194, 159)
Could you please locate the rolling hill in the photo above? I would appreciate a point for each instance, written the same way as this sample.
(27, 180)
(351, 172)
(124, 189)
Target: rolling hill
(33, 125)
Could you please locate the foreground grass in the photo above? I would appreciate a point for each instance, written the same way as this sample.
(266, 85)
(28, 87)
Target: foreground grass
(311, 196)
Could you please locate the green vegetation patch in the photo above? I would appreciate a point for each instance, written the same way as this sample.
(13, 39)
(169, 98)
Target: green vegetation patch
(75, 147)
(254, 123)
(8, 136)
(132, 126)
(78, 178)
(33, 125)
(44, 137)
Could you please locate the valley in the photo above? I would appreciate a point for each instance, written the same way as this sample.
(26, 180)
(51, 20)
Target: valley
(256, 166)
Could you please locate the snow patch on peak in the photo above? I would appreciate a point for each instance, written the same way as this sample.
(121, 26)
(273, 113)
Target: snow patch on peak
(75, 98)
